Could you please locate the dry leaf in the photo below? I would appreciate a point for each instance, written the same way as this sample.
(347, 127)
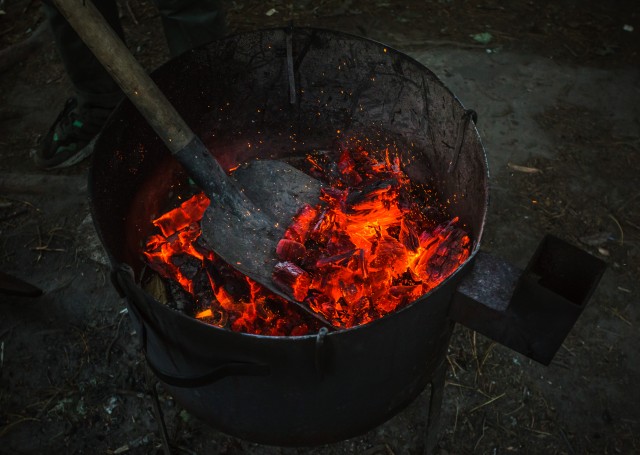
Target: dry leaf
(525, 169)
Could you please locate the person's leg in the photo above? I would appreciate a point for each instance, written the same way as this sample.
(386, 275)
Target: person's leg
(96, 94)
(191, 23)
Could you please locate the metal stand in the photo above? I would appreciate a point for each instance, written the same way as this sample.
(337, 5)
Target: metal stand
(435, 406)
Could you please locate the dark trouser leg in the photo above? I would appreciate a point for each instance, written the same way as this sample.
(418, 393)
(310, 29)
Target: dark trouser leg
(190, 23)
(187, 24)
(94, 87)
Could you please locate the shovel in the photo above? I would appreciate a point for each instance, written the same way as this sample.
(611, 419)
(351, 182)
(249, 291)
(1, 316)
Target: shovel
(241, 227)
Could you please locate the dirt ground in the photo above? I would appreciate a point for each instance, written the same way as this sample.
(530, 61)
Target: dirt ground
(557, 90)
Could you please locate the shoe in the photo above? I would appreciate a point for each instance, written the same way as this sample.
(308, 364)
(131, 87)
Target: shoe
(71, 137)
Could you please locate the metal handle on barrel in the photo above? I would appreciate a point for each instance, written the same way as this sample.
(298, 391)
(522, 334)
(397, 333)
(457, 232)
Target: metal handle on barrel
(123, 280)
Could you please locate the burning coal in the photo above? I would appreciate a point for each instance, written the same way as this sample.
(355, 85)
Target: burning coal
(374, 244)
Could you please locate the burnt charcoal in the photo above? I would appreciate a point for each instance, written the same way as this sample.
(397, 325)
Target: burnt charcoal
(188, 265)
(363, 309)
(320, 232)
(339, 243)
(202, 289)
(353, 260)
(345, 162)
(352, 291)
(302, 223)
(333, 196)
(310, 259)
(401, 291)
(326, 278)
(406, 279)
(319, 221)
(408, 236)
(223, 274)
(362, 263)
(359, 198)
(237, 287)
(321, 304)
(406, 202)
(347, 169)
(233, 282)
(448, 255)
(290, 250)
(291, 279)
(298, 323)
(180, 299)
(200, 245)
(332, 174)
(394, 231)
(339, 259)
(390, 254)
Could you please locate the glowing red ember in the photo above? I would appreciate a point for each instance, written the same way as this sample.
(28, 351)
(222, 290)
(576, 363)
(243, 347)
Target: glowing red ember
(366, 250)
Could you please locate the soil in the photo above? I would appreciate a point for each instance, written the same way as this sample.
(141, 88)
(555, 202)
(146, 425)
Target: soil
(556, 89)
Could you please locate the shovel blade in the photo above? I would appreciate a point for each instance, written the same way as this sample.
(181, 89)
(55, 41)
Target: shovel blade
(247, 241)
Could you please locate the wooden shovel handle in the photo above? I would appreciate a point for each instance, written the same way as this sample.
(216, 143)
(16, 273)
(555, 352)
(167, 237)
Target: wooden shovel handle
(127, 72)
(184, 145)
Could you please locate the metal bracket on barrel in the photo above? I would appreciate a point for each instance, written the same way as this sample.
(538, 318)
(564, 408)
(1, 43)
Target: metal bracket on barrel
(529, 311)
(320, 352)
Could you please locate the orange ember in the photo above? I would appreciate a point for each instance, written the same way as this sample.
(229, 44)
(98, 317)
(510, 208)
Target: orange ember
(366, 250)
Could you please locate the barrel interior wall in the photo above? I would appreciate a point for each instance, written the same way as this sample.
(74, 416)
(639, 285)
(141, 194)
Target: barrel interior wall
(236, 96)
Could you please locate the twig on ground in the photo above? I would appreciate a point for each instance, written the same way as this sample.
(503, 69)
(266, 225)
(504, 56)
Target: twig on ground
(525, 169)
(619, 227)
(633, 225)
(453, 364)
(627, 202)
(475, 355)
(462, 386)
(487, 402)
(45, 246)
(136, 443)
(486, 356)
(130, 11)
(481, 435)
(617, 314)
(533, 430)
(515, 410)
(455, 422)
(568, 350)
(567, 442)
(115, 338)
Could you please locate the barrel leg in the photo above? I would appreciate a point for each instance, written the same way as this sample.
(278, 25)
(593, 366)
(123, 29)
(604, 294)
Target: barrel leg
(435, 406)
